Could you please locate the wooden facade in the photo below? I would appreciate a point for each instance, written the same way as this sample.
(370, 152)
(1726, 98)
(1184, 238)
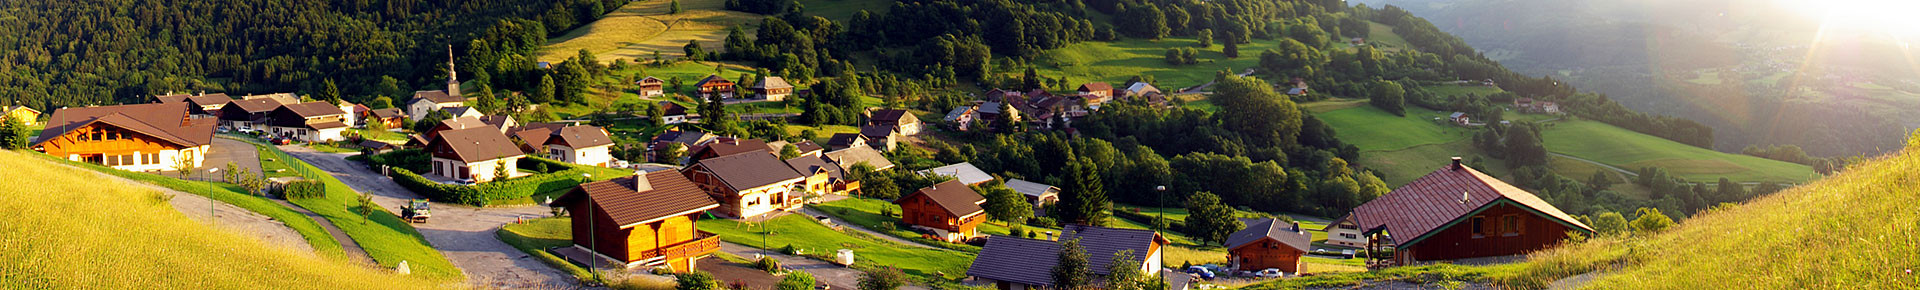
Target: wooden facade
(673, 241)
(123, 149)
(1501, 229)
(1265, 254)
(925, 208)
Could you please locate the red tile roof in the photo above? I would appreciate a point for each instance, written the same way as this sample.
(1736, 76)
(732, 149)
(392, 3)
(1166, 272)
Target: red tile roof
(1431, 202)
(163, 121)
(955, 197)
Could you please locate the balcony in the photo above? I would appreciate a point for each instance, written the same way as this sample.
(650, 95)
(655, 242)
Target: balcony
(702, 243)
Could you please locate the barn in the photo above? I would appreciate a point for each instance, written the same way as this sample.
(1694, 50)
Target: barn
(1457, 212)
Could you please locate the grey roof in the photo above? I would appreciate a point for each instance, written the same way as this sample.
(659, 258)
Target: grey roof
(1030, 188)
(846, 158)
(1456, 115)
(771, 83)
(806, 165)
(1017, 260)
(957, 112)
(745, 171)
(580, 137)
(1102, 242)
(1269, 228)
(1141, 88)
(965, 172)
(845, 139)
(436, 97)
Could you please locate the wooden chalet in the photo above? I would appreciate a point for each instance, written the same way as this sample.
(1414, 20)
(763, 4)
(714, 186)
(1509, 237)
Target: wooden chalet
(650, 86)
(1019, 263)
(390, 118)
(143, 137)
(771, 88)
(27, 116)
(644, 220)
(748, 184)
(1268, 243)
(310, 122)
(714, 85)
(1457, 212)
(473, 154)
(248, 115)
(949, 211)
(1096, 93)
(898, 120)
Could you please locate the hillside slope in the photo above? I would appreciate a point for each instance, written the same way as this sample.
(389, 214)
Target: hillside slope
(70, 228)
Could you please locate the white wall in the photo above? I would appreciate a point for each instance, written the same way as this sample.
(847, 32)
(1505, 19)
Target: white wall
(595, 156)
(167, 159)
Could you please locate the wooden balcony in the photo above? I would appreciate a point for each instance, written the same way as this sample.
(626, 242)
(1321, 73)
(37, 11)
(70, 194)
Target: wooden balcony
(703, 243)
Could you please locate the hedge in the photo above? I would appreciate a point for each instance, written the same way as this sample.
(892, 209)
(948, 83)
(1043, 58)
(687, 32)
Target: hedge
(416, 160)
(480, 195)
(461, 194)
(532, 163)
(304, 189)
(530, 185)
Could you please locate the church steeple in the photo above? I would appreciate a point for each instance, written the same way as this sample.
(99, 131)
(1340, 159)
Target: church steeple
(453, 77)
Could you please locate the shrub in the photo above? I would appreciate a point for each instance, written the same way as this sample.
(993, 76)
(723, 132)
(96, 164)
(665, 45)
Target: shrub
(416, 160)
(304, 189)
(1045, 222)
(767, 264)
(460, 194)
(1016, 231)
(887, 226)
(789, 250)
(882, 279)
(530, 185)
(697, 280)
(796, 281)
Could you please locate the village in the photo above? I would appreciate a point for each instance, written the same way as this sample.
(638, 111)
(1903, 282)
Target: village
(661, 214)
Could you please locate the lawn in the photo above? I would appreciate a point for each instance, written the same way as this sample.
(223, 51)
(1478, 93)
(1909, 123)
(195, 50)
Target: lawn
(67, 228)
(1373, 129)
(1312, 223)
(1115, 62)
(536, 236)
(1630, 150)
(822, 133)
(865, 213)
(811, 237)
(1384, 36)
(1461, 90)
(1330, 105)
(388, 136)
(640, 28)
(384, 236)
(273, 166)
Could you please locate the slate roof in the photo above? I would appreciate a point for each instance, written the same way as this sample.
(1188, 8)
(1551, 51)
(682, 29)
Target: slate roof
(808, 146)
(892, 116)
(806, 165)
(671, 194)
(849, 157)
(1269, 228)
(1102, 242)
(844, 140)
(875, 132)
(1018, 260)
(964, 172)
(673, 109)
(1432, 201)
(158, 120)
(958, 112)
(580, 137)
(478, 144)
(744, 171)
(1030, 188)
(436, 97)
(954, 197)
(771, 83)
(1139, 88)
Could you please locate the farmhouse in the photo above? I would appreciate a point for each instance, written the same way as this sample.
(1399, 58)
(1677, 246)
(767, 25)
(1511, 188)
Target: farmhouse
(143, 137)
(248, 115)
(964, 172)
(27, 116)
(644, 220)
(1140, 90)
(848, 158)
(961, 118)
(1018, 263)
(1036, 193)
(584, 145)
(425, 102)
(474, 154)
(390, 118)
(990, 112)
(1459, 118)
(650, 87)
(771, 88)
(882, 137)
(896, 119)
(949, 211)
(1344, 232)
(715, 85)
(1457, 212)
(1096, 93)
(1268, 243)
(748, 184)
(674, 113)
(846, 140)
(310, 122)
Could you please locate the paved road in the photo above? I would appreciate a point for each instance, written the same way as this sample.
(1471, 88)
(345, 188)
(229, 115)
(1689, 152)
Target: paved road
(464, 234)
(839, 277)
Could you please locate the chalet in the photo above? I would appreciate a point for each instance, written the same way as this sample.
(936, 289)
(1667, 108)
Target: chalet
(841, 141)
(644, 220)
(848, 158)
(27, 116)
(199, 106)
(714, 85)
(771, 88)
(806, 148)
(425, 102)
(584, 145)
(533, 137)
(1459, 118)
(1457, 212)
(506, 123)
(1019, 263)
(821, 176)
(1096, 93)
(897, 119)
(990, 112)
(356, 114)
(456, 124)
(462, 112)
(747, 185)
(1036, 193)
(1529, 105)
(390, 118)
(1268, 243)
(729, 146)
(1298, 92)
(650, 86)
(1140, 90)
(1344, 232)
(143, 137)
(882, 137)
(674, 113)
(310, 122)
(687, 140)
(949, 211)
(960, 118)
(474, 154)
(248, 115)
(964, 172)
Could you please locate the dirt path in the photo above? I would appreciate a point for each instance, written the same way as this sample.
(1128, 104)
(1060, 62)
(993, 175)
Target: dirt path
(464, 234)
(347, 244)
(227, 216)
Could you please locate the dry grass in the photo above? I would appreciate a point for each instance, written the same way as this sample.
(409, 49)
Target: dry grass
(72, 229)
(638, 29)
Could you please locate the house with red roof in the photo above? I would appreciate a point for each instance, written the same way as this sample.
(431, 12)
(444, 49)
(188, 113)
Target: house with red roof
(1457, 212)
(949, 211)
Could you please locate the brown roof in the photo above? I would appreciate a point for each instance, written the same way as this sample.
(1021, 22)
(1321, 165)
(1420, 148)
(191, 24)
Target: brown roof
(171, 98)
(669, 194)
(477, 144)
(327, 125)
(1102, 242)
(158, 120)
(744, 171)
(1430, 203)
(533, 137)
(1018, 260)
(673, 109)
(580, 137)
(732, 146)
(1269, 228)
(893, 116)
(314, 109)
(388, 113)
(256, 105)
(771, 83)
(875, 132)
(954, 197)
(649, 80)
(1096, 87)
(844, 139)
(498, 121)
(375, 144)
(436, 97)
(714, 79)
(807, 165)
(808, 146)
(463, 123)
(210, 99)
(849, 157)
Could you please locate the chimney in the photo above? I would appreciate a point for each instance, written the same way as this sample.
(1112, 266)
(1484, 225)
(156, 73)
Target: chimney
(640, 183)
(1456, 163)
(1296, 226)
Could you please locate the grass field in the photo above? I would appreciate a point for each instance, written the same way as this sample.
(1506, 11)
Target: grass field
(812, 237)
(640, 28)
(842, 10)
(66, 228)
(1456, 90)
(1630, 150)
(1114, 62)
(1330, 105)
(536, 236)
(1384, 36)
(384, 236)
(1373, 129)
(1405, 165)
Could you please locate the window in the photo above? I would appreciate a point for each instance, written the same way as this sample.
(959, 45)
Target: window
(1479, 226)
(1511, 225)
(1349, 236)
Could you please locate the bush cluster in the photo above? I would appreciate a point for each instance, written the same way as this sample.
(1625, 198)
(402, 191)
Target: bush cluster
(304, 189)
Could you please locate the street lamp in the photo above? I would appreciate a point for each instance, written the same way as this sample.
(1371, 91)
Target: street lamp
(1160, 215)
(592, 242)
(210, 202)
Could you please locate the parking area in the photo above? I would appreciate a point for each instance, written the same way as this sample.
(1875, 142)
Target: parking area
(224, 150)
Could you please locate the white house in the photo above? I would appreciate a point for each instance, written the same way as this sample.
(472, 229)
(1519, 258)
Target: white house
(1344, 232)
(584, 145)
(310, 122)
(425, 102)
(473, 154)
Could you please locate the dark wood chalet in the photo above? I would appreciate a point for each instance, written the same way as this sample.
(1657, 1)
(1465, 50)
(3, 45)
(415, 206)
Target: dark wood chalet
(641, 220)
(1457, 212)
(950, 210)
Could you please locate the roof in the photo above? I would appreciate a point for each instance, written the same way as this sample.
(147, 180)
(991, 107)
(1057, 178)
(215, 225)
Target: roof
(478, 144)
(847, 158)
(327, 125)
(1141, 88)
(771, 83)
(16, 108)
(256, 105)
(808, 146)
(498, 121)
(844, 139)
(1102, 242)
(1270, 228)
(673, 109)
(875, 132)
(807, 165)
(1176, 280)
(462, 111)
(958, 112)
(375, 144)
(210, 99)
(533, 137)
(688, 138)
(965, 172)
(1433, 201)
(954, 197)
(1030, 188)
(668, 194)
(388, 113)
(1297, 91)
(649, 79)
(716, 79)
(171, 98)
(436, 97)
(744, 171)
(732, 146)
(992, 108)
(314, 109)
(1095, 87)
(158, 120)
(893, 116)
(463, 123)
(1456, 115)
(580, 137)
(1018, 260)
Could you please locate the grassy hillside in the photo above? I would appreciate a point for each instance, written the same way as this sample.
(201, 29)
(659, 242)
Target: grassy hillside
(640, 28)
(1630, 150)
(842, 10)
(1114, 62)
(70, 228)
(1401, 148)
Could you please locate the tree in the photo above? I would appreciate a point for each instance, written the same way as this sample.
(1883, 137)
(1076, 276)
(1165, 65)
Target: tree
(878, 278)
(14, 134)
(671, 154)
(1389, 96)
(1651, 221)
(697, 280)
(1523, 148)
(796, 280)
(694, 53)
(1084, 201)
(1205, 38)
(1600, 180)
(543, 92)
(1005, 205)
(789, 152)
(1071, 271)
(1730, 191)
(1264, 118)
(500, 169)
(487, 102)
(1231, 49)
(657, 114)
(1124, 275)
(1210, 220)
(329, 92)
(1609, 223)
(674, 7)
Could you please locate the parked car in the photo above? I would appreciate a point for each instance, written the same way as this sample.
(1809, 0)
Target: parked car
(1202, 271)
(416, 211)
(1270, 273)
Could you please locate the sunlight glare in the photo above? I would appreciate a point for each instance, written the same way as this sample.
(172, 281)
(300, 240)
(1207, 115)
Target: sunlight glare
(1885, 16)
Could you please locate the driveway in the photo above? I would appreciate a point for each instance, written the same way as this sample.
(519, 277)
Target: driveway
(225, 150)
(839, 277)
(464, 234)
